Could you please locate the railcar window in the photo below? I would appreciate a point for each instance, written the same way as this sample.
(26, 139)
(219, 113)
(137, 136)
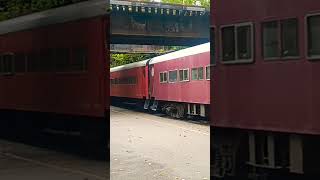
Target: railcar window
(285, 34)
(132, 80)
(184, 75)
(7, 63)
(208, 72)
(194, 74)
(270, 39)
(20, 63)
(173, 76)
(62, 60)
(244, 42)
(237, 43)
(313, 25)
(197, 73)
(200, 73)
(180, 75)
(163, 77)
(79, 61)
(289, 38)
(228, 43)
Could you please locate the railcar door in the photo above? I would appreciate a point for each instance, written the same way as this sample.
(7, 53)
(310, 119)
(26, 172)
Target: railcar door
(151, 80)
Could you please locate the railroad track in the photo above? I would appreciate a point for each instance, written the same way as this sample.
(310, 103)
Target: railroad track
(135, 107)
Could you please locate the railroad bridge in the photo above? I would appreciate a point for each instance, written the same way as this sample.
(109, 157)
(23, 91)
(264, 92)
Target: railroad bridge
(152, 23)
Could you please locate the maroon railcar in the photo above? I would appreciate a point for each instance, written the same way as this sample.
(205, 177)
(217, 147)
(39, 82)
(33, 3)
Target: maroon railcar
(130, 81)
(266, 88)
(180, 81)
(177, 83)
(53, 69)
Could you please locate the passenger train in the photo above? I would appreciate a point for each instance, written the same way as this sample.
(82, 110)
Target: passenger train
(177, 83)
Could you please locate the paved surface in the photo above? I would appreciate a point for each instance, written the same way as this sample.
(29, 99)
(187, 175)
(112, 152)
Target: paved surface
(149, 147)
(23, 162)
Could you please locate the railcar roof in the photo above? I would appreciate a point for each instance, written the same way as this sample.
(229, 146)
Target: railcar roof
(129, 66)
(182, 53)
(82, 10)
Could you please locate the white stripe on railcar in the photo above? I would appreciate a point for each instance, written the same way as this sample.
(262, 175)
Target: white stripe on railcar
(202, 48)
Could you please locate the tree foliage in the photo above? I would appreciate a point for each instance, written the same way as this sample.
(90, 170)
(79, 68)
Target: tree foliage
(121, 59)
(13, 8)
(204, 3)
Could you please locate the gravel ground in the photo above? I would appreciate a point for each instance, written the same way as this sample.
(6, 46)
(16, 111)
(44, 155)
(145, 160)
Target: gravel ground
(145, 146)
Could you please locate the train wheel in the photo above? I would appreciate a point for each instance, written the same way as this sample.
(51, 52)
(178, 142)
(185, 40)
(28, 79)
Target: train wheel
(174, 110)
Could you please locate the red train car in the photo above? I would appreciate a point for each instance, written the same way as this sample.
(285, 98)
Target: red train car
(130, 81)
(177, 83)
(266, 89)
(180, 81)
(52, 64)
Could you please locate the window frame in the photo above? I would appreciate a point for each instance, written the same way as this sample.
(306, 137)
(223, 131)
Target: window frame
(237, 60)
(185, 69)
(197, 74)
(132, 80)
(280, 39)
(168, 78)
(209, 72)
(203, 74)
(12, 72)
(306, 37)
(163, 72)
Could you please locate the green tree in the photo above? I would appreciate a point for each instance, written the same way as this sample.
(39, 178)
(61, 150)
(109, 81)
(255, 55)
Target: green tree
(121, 59)
(204, 3)
(13, 8)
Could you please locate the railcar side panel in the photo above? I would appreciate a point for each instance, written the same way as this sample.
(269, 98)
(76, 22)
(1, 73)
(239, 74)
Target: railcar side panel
(281, 94)
(136, 87)
(190, 91)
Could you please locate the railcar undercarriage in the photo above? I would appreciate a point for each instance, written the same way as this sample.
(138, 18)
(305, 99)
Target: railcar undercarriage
(172, 109)
(180, 110)
(260, 155)
(91, 131)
